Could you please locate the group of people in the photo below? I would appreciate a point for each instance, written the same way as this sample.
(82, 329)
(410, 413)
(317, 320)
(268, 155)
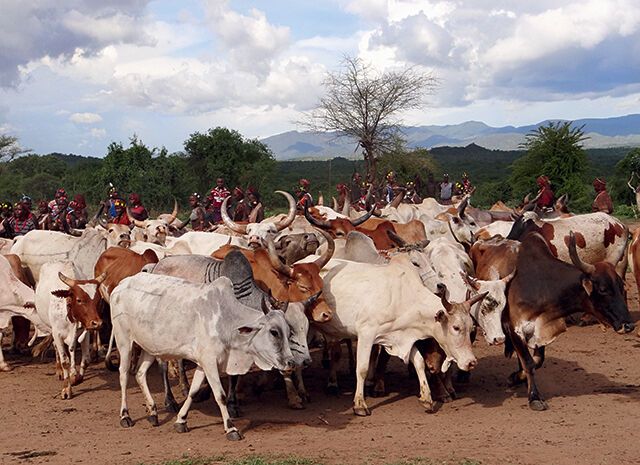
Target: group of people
(546, 197)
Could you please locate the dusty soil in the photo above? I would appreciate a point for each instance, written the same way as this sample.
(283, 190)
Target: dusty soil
(590, 378)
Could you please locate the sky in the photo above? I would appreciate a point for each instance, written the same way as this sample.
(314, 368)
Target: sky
(76, 75)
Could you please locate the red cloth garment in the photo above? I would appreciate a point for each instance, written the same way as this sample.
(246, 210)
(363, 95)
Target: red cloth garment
(546, 198)
(122, 219)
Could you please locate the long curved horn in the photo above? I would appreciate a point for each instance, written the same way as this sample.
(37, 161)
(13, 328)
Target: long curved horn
(331, 248)
(397, 200)
(292, 211)
(587, 268)
(509, 277)
(138, 223)
(68, 281)
(275, 260)
(320, 199)
(526, 199)
(229, 223)
(174, 213)
(463, 206)
(454, 234)
(476, 298)
(347, 204)
(102, 222)
(335, 203)
(442, 293)
(97, 216)
(314, 221)
(363, 218)
(395, 238)
(101, 278)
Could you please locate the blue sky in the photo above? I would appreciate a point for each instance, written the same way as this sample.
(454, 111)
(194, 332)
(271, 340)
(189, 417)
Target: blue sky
(78, 74)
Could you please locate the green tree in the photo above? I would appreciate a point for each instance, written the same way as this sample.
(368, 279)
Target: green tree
(222, 152)
(407, 164)
(625, 168)
(10, 148)
(554, 150)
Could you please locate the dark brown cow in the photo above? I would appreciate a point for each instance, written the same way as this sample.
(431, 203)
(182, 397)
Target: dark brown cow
(494, 258)
(295, 283)
(544, 291)
(377, 229)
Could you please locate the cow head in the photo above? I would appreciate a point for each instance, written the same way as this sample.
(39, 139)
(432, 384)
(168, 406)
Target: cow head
(339, 227)
(118, 235)
(257, 233)
(156, 231)
(488, 312)
(296, 316)
(415, 254)
(267, 340)
(461, 225)
(82, 300)
(605, 289)
(303, 280)
(456, 324)
(294, 247)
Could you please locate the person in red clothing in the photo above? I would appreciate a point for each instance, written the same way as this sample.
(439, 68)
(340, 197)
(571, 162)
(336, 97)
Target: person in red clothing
(302, 192)
(121, 213)
(602, 202)
(545, 196)
(215, 199)
(136, 208)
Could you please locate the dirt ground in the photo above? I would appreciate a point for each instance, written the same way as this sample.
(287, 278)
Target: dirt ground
(590, 378)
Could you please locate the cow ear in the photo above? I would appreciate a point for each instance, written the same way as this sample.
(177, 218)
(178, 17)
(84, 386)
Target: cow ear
(441, 316)
(587, 284)
(62, 293)
(246, 329)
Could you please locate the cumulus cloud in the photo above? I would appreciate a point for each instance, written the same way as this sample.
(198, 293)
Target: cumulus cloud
(98, 133)
(33, 29)
(85, 118)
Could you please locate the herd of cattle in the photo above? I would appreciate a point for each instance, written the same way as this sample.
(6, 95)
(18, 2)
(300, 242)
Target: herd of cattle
(416, 281)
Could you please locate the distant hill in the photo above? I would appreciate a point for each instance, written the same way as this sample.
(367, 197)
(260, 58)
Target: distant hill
(622, 131)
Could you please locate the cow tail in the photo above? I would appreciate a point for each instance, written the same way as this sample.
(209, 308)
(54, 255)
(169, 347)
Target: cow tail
(42, 346)
(107, 358)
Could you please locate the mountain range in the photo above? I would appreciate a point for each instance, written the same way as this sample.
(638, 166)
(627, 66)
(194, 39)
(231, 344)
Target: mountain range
(621, 131)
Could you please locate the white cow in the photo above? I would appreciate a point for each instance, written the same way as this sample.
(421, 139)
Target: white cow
(154, 231)
(69, 307)
(173, 318)
(16, 299)
(389, 306)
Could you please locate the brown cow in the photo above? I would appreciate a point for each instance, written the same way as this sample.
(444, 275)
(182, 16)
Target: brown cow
(377, 229)
(119, 264)
(544, 291)
(294, 283)
(494, 258)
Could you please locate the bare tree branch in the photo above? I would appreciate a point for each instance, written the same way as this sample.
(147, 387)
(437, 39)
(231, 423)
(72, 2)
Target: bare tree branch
(10, 148)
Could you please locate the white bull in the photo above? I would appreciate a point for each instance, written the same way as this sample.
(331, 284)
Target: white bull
(173, 318)
(389, 306)
(154, 231)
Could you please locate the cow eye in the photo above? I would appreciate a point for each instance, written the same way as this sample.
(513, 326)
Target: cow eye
(79, 301)
(456, 220)
(456, 328)
(415, 264)
(275, 333)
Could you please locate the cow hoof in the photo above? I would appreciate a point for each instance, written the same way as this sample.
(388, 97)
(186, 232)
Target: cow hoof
(296, 405)
(5, 367)
(379, 392)
(444, 399)
(126, 422)
(333, 390)
(538, 405)
(66, 394)
(433, 407)
(234, 436)
(181, 427)
(77, 379)
(361, 411)
(172, 406)
(153, 419)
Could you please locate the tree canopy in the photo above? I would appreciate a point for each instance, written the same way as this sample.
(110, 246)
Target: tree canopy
(366, 106)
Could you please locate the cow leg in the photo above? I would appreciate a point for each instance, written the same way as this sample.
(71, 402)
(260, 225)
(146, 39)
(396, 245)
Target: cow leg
(64, 363)
(146, 360)
(335, 352)
(352, 365)
(211, 370)
(293, 399)
(517, 377)
(72, 341)
(425, 393)
(536, 402)
(125, 362)
(170, 403)
(4, 366)
(182, 378)
(181, 421)
(447, 382)
(438, 392)
(233, 406)
(85, 361)
(373, 359)
(363, 355)
(538, 357)
(379, 389)
(21, 327)
(302, 390)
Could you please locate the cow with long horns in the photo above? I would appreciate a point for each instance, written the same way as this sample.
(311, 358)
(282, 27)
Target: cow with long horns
(154, 231)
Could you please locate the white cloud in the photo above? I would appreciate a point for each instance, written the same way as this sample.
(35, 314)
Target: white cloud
(85, 118)
(98, 133)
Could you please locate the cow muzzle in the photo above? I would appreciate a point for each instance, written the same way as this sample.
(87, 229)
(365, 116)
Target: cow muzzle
(496, 341)
(625, 328)
(254, 242)
(94, 325)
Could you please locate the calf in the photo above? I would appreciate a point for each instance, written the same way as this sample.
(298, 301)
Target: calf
(544, 291)
(205, 323)
(68, 305)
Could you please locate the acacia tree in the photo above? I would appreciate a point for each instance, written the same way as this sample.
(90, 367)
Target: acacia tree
(365, 105)
(554, 150)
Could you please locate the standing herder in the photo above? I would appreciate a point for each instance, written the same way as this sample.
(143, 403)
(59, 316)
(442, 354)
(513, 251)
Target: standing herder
(602, 202)
(256, 210)
(137, 210)
(446, 190)
(238, 208)
(545, 196)
(304, 197)
(215, 199)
